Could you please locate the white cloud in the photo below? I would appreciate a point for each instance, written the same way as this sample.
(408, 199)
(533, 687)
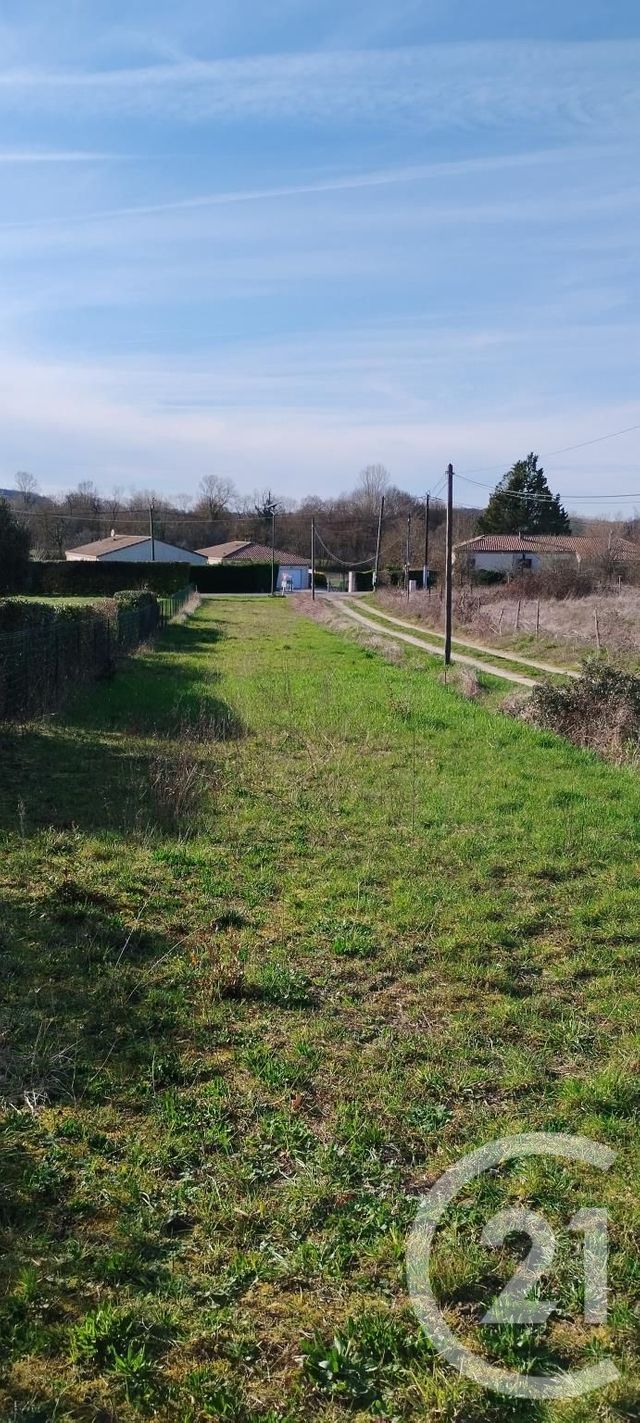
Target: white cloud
(575, 86)
(115, 423)
(18, 156)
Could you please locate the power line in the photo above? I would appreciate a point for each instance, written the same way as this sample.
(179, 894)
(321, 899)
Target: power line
(551, 498)
(347, 562)
(171, 516)
(598, 441)
(565, 450)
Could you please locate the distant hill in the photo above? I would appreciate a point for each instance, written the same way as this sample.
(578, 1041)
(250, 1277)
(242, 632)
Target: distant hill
(11, 494)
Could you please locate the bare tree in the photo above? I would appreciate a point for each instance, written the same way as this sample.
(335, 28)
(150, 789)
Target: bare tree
(28, 486)
(113, 506)
(373, 482)
(217, 493)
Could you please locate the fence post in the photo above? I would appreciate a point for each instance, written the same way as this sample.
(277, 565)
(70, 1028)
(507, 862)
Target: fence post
(518, 615)
(537, 619)
(597, 628)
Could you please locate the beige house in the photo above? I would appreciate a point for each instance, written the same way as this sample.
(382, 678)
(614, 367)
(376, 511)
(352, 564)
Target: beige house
(293, 571)
(510, 553)
(132, 548)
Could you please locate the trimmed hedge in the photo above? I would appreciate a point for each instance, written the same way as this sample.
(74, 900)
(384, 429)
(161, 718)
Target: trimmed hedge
(102, 580)
(233, 577)
(59, 579)
(46, 648)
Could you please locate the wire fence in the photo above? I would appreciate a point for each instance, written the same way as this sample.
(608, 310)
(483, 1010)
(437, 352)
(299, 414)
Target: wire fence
(175, 602)
(39, 665)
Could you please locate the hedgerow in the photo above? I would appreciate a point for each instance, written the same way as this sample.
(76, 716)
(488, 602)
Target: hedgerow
(234, 577)
(45, 648)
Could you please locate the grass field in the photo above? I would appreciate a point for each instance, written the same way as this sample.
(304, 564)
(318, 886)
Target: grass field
(285, 930)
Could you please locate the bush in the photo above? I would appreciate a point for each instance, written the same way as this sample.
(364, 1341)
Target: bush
(488, 577)
(17, 615)
(564, 580)
(600, 710)
(134, 598)
(321, 580)
(47, 648)
(15, 543)
(60, 579)
(233, 577)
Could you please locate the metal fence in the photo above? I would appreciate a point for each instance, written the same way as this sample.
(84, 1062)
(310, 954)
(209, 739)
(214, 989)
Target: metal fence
(175, 602)
(39, 665)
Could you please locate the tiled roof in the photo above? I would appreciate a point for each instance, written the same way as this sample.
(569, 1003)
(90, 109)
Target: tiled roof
(583, 547)
(95, 550)
(225, 550)
(242, 552)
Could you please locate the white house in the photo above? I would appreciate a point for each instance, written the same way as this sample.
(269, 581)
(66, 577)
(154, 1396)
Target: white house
(293, 571)
(125, 548)
(510, 553)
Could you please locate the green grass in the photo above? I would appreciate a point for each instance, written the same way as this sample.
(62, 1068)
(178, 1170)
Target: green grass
(285, 930)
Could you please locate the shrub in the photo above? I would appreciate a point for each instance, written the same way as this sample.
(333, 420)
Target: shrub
(321, 580)
(233, 577)
(15, 543)
(600, 710)
(137, 617)
(134, 598)
(18, 615)
(487, 577)
(102, 580)
(46, 648)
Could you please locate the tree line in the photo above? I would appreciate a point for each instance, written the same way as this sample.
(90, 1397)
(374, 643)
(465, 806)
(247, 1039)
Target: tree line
(346, 525)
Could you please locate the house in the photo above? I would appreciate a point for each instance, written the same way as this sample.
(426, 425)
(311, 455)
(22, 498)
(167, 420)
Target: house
(293, 571)
(510, 553)
(138, 548)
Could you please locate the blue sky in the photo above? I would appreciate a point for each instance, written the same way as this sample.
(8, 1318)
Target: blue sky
(283, 240)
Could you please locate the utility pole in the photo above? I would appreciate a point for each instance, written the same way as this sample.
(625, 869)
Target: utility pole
(152, 535)
(448, 601)
(408, 555)
(425, 566)
(273, 550)
(376, 569)
(313, 558)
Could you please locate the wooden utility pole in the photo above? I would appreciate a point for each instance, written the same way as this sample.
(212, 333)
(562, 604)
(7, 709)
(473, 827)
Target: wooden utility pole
(448, 599)
(313, 558)
(425, 566)
(376, 569)
(273, 551)
(408, 555)
(152, 535)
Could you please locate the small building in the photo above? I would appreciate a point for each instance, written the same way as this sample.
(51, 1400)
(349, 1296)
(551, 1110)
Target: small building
(293, 572)
(511, 553)
(134, 548)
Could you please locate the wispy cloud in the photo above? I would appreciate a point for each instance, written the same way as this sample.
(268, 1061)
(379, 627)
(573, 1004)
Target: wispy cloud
(416, 174)
(120, 421)
(575, 85)
(18, 156)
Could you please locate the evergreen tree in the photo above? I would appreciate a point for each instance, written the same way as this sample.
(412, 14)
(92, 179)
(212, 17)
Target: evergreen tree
(522, 503)
(15, 543)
